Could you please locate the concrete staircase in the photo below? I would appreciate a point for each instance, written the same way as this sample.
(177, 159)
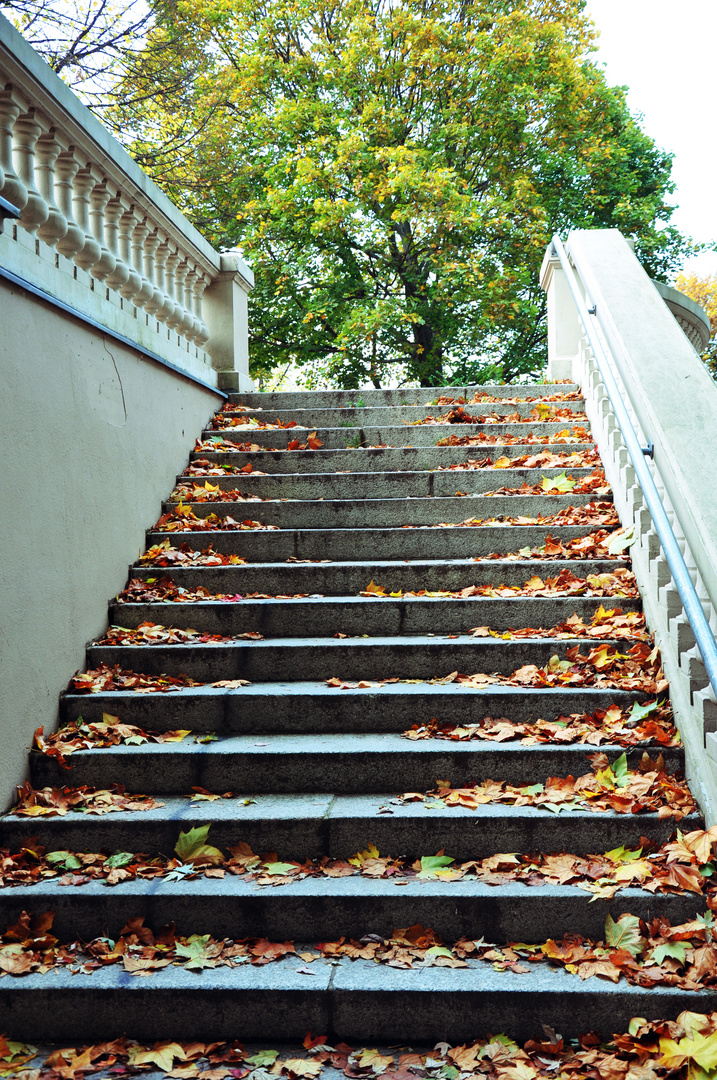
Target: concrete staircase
(314, 768)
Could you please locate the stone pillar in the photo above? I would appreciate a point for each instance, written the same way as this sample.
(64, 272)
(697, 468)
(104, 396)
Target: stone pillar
(563, 319)
(226, 314)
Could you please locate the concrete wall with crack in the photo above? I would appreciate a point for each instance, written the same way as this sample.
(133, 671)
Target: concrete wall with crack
(93, 437)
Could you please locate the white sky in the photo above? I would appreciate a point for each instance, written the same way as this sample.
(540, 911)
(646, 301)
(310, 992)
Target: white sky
(665, 53)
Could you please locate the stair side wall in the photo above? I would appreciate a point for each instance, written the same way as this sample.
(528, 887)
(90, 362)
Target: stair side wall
(93, 436)
(672, 402)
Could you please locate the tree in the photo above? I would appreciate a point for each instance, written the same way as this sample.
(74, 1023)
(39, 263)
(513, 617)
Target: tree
(88, 42)
(393, 170)
(703, 290)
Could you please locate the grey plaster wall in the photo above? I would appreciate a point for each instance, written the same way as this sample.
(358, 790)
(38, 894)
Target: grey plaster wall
(92, 439)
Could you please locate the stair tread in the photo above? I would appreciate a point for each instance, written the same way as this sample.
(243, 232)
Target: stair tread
(354, 998)
(357, 743)
(324, 807)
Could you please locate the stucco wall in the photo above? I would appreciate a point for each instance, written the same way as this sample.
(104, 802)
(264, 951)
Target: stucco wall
(93, 437)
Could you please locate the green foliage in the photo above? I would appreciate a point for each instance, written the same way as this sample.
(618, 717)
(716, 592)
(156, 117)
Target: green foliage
(394, 171)
(703, 290)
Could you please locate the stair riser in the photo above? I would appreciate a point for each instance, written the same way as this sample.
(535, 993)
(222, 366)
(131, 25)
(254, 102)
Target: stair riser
(411, 831)
(350, 579)
(384, 513)
(309, 399)
(393, 1007)
(295, 659)
(393, 485)
(391, 415)
(404, 459)
(256, 710)
(167, 770)
(313, 911)
(358, 544)
(340, 438)
(358, 615)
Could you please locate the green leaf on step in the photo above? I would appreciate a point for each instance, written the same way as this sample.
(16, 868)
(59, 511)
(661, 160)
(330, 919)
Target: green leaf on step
(434, 866)
(192, 847)
(64, 859)
(639, 712)
(279, 867)
(120, 858)
(263, 1058)
(620, 541)
(560, 484)
(179, 873)
(195, 952)
(439, 950)
(624, 934)
(448, 1072)
(620, 770)
(435, 804)
(676, 950)
(209, 737)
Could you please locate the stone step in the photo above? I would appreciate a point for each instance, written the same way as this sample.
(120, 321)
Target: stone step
(308, 399)
(302, 826)
(294, 659)
(324, 616)
(278, 708)
(362, 544)
(346, 1000)
(364, 459)
(346, 763)
(338, 438)
(373, 513)
(311, 416)
(387, 485)
(351, 578)
(325, 908)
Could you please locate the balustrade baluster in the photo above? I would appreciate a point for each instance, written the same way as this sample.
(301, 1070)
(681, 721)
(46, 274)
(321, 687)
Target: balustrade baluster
(200, 285)
(99, 197)
(66, 169)
(113, 212)
(47, 151)
(170, 284)
(90, 251)
(12, 188)
(133, 285)
(167, 307)
(156, 300)
(191, 327)
(139, 236)
(182, 315)
(25, 134)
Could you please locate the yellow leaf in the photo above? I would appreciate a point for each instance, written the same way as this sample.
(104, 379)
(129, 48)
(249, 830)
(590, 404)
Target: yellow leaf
(162, 1056)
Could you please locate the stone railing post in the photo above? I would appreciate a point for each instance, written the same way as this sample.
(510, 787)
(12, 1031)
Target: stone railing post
(226, 314)
(563, 323)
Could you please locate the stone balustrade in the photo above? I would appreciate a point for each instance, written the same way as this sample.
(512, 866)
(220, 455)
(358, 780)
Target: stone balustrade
(97, 236)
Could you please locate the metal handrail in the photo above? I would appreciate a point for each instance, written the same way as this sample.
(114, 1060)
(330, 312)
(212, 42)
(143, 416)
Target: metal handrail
(680, 574)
